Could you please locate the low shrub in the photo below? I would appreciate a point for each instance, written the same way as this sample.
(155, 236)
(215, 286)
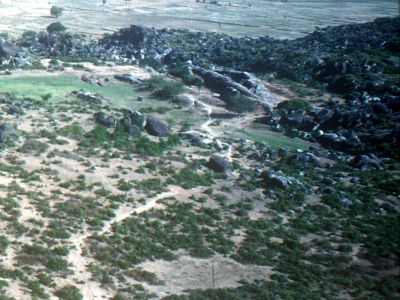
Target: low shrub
(69, 292)
(295, 104)
(239, 103)
(163, 87)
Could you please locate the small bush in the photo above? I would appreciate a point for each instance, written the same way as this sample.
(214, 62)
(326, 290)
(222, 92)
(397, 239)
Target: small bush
(295, 104)
(56, 11)
(3, 244)
(28, 34)
(56, 27)
(187, 77)
(33, 146)
(46, 97)
(239, 103)
(163, 87)
(69, 292)
(73, 131)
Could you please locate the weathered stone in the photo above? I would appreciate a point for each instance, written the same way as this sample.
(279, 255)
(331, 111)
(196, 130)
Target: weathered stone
(156, 127)
(133, 130)
(129, 78)
(219, 164)
(105, 120)
(275, 180)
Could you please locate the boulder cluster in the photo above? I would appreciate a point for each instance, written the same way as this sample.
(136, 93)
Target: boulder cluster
(361, 62)
(133, 122)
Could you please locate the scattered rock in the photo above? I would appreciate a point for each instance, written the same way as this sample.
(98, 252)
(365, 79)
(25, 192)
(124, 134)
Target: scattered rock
(7, 131)
(90, 79)
(366, 162)
(105, 120)
(275, 180)
(89, 97)
(8, 50)
(15, 110)
(134, 131)
(129, 78)
(156, 127)
(219, 164)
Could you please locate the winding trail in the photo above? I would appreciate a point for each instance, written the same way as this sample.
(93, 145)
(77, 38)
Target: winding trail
(124, 212)
(92, 290)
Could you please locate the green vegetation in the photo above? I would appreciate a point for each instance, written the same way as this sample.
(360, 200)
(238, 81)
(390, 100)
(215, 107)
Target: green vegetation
(69, 292)
(187, 77)
(312, 234)
(101, 137)
(164, 87)
(239, 103)
(260, 134)
(56, 11)
(295, 104)
(156, 234)
(56, 27)
(3, 244)
(61, 86)
(33, 146)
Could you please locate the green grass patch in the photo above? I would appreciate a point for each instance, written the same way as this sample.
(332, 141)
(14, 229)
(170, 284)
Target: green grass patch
(39, 87)
(271, 139)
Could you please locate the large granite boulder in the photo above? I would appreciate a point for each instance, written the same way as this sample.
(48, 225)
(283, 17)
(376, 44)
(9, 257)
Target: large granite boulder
(156, 127)
(219, 164)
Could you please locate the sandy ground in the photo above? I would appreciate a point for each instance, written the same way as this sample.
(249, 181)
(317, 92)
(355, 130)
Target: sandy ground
(276, 18)
(196, 273)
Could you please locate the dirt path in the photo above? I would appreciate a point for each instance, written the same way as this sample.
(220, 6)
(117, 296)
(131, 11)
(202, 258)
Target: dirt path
(92, 290)
(124, 212)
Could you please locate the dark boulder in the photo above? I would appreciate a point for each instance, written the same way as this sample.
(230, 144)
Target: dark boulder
(8, 50)
(133, 130)
(219, 164)
(7, 132)
(156, 127)
(275, 180)
(221, 83)
(15, 110)
(325, 115)
(129, 78)
(365, 162)
(126, 122)
(300, 121)
(105, 120)
(88, 96)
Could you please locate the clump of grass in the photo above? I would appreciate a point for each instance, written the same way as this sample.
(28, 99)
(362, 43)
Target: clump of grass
(73, 131)
(46, 97)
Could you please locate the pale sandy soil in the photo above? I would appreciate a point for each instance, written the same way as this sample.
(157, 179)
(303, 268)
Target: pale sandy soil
(186, 271)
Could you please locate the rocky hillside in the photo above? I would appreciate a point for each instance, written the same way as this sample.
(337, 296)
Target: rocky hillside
(360, 62)
(168, 164)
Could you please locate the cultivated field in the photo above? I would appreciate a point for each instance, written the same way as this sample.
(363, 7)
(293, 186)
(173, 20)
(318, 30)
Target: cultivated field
(278, 19)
